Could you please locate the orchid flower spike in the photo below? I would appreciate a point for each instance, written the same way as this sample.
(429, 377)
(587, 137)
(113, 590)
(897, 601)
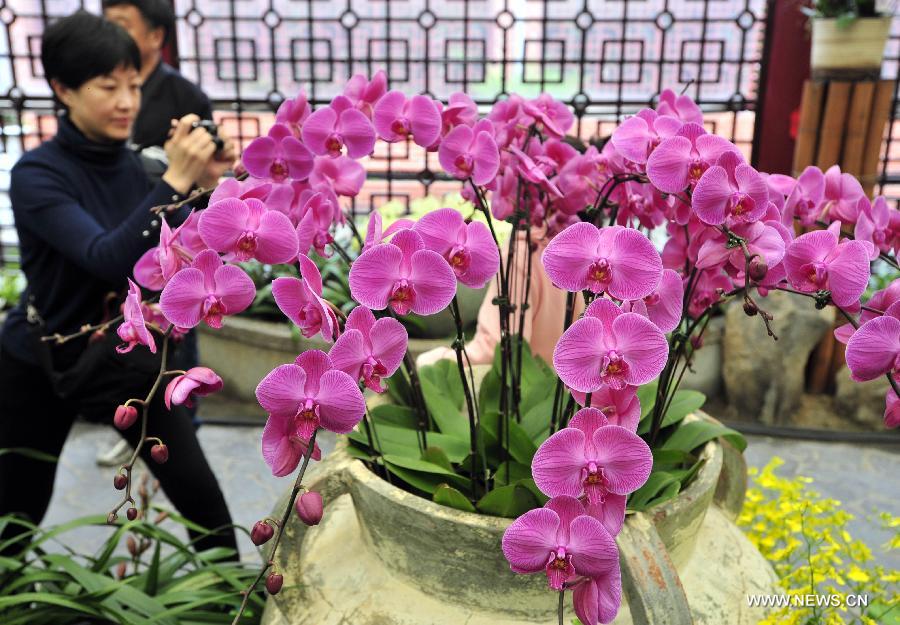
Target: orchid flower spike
(370, 349)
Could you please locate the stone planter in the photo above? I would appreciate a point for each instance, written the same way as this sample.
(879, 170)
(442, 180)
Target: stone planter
(385, 556)
(705, 374)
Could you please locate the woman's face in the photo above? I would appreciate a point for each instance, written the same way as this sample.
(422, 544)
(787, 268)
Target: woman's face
(104, 108)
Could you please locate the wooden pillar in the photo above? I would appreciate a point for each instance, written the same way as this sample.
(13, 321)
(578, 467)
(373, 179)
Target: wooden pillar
(841, 123)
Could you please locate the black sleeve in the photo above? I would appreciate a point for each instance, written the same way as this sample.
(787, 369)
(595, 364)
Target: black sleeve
(43, 204)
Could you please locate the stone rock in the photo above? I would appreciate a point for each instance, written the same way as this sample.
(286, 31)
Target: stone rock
(764, 379)
(862, 402)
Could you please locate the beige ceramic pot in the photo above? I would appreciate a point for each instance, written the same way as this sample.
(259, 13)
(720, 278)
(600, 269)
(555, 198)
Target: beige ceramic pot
(856, 46)
(383, 556)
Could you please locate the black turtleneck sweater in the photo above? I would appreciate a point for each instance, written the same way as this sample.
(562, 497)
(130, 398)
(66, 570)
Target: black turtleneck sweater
(81, 211)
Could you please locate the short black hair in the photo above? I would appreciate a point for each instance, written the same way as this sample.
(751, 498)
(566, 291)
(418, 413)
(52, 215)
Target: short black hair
(157, 13)
(82, 46)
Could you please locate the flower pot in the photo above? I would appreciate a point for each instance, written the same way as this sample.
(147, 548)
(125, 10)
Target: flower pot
(383, 555)
(441, 325)
(855, 47)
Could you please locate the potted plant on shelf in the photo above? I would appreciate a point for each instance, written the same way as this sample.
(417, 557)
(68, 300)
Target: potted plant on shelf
(455, 482)
(848, 36)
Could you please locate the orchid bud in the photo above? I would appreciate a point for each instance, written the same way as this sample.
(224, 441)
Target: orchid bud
(274, 582)
(132, 545)
(120, 481)
(750, 308)
(121, 570)
(125, 417)
(132, 514)
(97, 336)
(309, 507)
(758, 268)
(261, 533)
(697, 341)
(159, 453)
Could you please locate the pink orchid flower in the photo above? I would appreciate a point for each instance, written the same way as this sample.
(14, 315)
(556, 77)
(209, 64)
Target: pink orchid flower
(311, 393)
(344, 175)
(664, 305)
(207, 291)
(195, 382)
(620, 406)
(282, 449)
(530, 170)
(375, 234)
(804, 195)
(241, 189)
(301, 301)
(708, 290)
(158, 264)
(680, 161)
(607, 346)
(593, 458)
(370, 349)
(133, 330)
(247, 229)
(842, 194)
(404, 275)
(817, 261)
(597, 599)
(188, 236)
(314, 229)
(553, 115)
(363, 93)
(880, 300)
(293, 111)
(278, 156)
(460, 111)
(397, 118)
(730, 191)
(468, 248)
(470, 153)
(873, 225)
(637, 137)
(681, 106)
(338, 127)
(561, 540)
(615, 260)
(764, 239)
(892, 409)
(874, 349)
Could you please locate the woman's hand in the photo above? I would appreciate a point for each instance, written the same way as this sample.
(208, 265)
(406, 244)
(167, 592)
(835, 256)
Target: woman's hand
(189, 152)
(220, 162)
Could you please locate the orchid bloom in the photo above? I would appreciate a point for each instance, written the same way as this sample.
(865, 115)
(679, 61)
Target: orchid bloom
(339, 127)
(637, 137)
(195, 382)
(680, 161)
(301, 301)
(247, 229)
(708, 290)
(314, 229)
(730, 191)
(404, 275)
(804, 195)
(620, 406)
(597, 599)
(370, 349)
(300, 398)
(880, 300)
(553, 115)
(842, 194)
(342, 174)
(679, 106)
(892, 409)
(468, 248)
(874, 349)
(529, 170)
(292, 112)
(365, 93)
(207, 291)
(133, 330)
(374, 232)
(873, 225)
(460, 110)
(817, 261)
(608, 346)
(158, 264)
(561, 540)
(763, 239)
(664, 305)
(470, 153)
(615, 260)
(278, 156)
(397, 118)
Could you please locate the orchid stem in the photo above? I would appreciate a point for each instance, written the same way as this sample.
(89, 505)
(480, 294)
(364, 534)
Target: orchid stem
(459, 347)
(562, 605)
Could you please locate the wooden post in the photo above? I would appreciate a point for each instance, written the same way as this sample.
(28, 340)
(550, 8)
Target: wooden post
(841, 123)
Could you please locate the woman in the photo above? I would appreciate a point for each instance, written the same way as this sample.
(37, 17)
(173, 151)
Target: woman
(82, 209)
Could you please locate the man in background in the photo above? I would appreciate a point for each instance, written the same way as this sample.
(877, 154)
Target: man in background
(165, 94)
